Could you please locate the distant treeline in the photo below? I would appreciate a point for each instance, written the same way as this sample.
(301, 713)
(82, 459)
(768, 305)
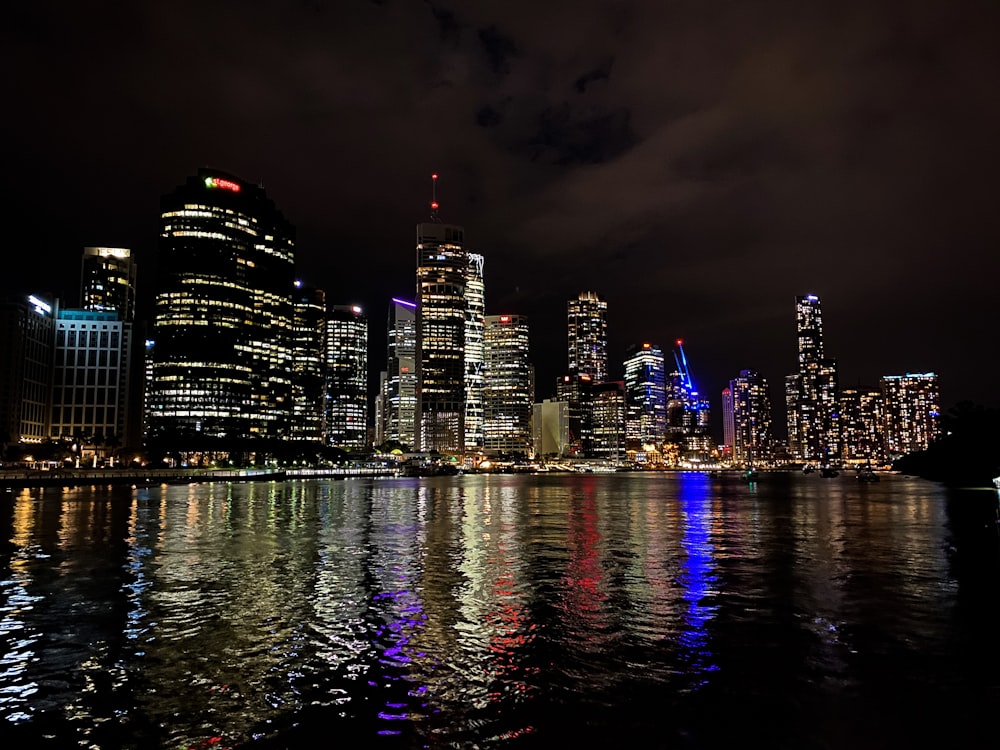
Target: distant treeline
(968, 451)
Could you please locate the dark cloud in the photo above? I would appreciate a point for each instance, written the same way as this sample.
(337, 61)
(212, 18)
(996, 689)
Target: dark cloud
(699, 164)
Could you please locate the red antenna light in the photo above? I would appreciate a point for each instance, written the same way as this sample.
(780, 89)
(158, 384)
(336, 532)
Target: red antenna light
(434, 203)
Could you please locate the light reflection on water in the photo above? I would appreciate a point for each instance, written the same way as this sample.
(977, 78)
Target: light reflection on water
(495, 612)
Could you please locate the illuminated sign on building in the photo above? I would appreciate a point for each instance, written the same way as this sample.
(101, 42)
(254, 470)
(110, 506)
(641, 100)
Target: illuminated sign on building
(42, 308)
(218, 182)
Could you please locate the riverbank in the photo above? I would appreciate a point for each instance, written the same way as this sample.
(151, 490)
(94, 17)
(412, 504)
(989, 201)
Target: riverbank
(11, 479)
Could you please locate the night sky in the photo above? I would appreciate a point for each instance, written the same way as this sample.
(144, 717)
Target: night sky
(698, 163)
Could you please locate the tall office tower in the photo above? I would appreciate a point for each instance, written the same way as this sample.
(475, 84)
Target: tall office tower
(587, 336)
(107, 281)
(728, 423)
(576, 391)
(812, 406)
(108, 284)
(861, 420)
(608, 409)
(442, 265)
(399, 385)
(645, 395)
(308, 361)
(550, 428)
(91, 379)
(912, 414)
(346, 369)
(27, 336)
(475, 313)
(753, 441)
(507, 391)
(222, 314)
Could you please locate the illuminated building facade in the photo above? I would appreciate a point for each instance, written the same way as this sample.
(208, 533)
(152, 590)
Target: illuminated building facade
(27, 336)
(475, 313)
(222, 314)
(308, 360)
(688, 414)
(550, 428)
(576, 391)
(862, 419)
(398, 392)
(912, 412)
(442, 267)
(91, 378)
(508, 394)
(811, 396)
(728, 423)
(346, 391)
(753, 439)
(397, 402)
(645, 395)
(587, 336)
(608, 413)
(108, 281)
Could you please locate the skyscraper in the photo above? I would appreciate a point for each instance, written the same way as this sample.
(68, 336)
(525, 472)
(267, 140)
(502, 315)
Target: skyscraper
(222, 314)
(751, 416)
(108, 281)
(912, 412)
(308, 362)
(442, 267)
(862, 422)
(26, 339)
(811, 394)
(399, 385)
(475, 312)
(346, 370)
(587, 336)
(507, 394)
(645, 395)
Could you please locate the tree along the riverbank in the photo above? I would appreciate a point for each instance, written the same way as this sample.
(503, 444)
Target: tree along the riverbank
(966, 453)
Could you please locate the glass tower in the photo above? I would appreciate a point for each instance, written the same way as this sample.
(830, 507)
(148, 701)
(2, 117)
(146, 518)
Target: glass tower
(811, 395)
(346, 392)
(399, 385)
(587, 336)
(508, 396)
(645, 395)
(475, 313)
(442, 268)
(222, 314)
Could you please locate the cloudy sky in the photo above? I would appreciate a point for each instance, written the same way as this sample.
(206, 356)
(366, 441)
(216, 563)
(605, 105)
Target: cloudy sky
(697, 163)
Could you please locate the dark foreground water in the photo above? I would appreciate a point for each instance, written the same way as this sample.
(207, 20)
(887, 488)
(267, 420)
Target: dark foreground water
(652, 611)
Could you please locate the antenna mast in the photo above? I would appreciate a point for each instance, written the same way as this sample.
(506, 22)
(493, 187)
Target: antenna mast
(434, 203)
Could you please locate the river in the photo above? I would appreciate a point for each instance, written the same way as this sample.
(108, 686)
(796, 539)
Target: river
(628, 610)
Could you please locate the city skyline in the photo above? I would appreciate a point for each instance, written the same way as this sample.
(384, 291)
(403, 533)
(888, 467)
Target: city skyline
(698, 173)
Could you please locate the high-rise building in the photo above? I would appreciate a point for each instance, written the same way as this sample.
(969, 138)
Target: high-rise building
(587, 336)
(751, 414)
(108, 285)
(475, 313)
(308, 360)
(912, 412)
(27, 337)
(608, 411)
(811, 397)
(91, 379)
(507, 394)
(576, 391)
(645, 395)
(728, 423)
(688, 414)
(346, 370)
(398, 398)
(222, 314)
(442, 266)
(550, 428)
(861, 421)
(108, 281)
